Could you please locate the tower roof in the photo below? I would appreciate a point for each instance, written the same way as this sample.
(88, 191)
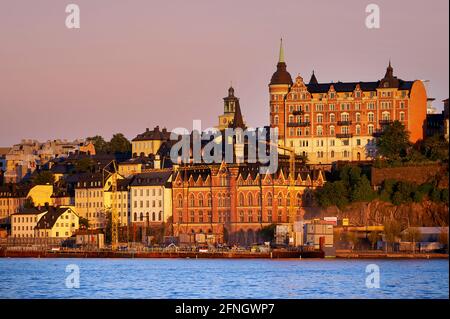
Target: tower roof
(389, 80)
(281, 75)
(313, 79)
(238, 120)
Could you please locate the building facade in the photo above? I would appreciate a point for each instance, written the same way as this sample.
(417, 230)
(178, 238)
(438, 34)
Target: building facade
(151, 197)
(149, 142)
(232, 202)
(12, 200)
(329, 122)
(23, 224)
(61, 222)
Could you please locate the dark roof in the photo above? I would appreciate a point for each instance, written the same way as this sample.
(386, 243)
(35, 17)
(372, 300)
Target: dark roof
(14, 190)
(238, 121)
(29, 211)
(123, 184)
(49, 219)
(281, 75)
(86, 180)
(313, 79)
(155, 178)
(155, 134)
(351, 86)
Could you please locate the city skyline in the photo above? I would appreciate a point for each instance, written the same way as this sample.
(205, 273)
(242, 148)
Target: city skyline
(109, 90)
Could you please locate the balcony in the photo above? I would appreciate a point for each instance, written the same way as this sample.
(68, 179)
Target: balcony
(344, 123)
(297, 124)
(297, 112)
(344, 135)
(377, 133)
(386, 122)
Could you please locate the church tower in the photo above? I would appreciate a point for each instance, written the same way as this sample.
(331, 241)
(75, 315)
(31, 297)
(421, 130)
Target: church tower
(230, 104)
(279, 86)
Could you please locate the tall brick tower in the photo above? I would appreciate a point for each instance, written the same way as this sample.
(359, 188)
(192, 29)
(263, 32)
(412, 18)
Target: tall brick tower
(278, 88)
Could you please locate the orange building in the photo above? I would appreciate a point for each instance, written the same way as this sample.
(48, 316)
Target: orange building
(232, 202)
(340, 121)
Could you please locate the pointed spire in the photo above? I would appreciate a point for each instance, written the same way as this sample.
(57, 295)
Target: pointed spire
(281, 58)
(313, 79)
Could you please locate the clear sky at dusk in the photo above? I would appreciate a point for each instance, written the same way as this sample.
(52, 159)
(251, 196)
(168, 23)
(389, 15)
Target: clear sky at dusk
(140, 63)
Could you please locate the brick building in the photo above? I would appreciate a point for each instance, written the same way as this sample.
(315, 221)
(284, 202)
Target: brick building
(339, 121)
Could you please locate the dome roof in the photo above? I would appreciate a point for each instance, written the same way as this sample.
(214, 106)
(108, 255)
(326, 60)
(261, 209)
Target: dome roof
(281, 75)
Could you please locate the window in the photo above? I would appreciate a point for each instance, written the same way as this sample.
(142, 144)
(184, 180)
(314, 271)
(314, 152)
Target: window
(358, 117)
(250, 199)
(370, 117)
(345, 117)
(370, 128)
(402, 116)
(280, 199)
(200, 200)
(319, 131)
(191, 200)
(180, 200)
(241, 216)
(269, 199)
(358, 129)
(331, 107)
(275, 120)
(332, 154)
(332, 142)
(332, 131)
(241, 199)
(319, 118)
(386, 116)
(332, 118)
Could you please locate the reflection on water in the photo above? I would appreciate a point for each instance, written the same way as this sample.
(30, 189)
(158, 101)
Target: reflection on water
(220, 278)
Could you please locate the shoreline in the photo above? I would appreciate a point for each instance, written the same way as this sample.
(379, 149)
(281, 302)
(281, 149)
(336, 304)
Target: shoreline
(218, 255)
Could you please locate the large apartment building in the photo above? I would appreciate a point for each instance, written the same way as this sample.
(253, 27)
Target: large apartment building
(340, 121)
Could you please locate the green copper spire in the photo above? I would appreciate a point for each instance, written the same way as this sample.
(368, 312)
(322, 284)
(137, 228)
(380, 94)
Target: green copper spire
(281, 59)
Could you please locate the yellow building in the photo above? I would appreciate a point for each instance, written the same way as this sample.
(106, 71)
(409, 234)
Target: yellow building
(41, 195)
(23, 224)
(61, 222)
(149, 142)
(92, 201)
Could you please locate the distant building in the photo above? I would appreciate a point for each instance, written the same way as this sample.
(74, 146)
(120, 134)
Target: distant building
(151, 197)
(12, 200)
(149, 142)
(328, 122)
(41, 195)
(23, 224)
(61, 222)
(135, 165)
(437, 123)
(230, 106)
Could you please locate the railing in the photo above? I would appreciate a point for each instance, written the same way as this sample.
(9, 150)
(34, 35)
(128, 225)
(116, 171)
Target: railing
(343, 123)
(294, 124)
(298, 112)
(344, 135)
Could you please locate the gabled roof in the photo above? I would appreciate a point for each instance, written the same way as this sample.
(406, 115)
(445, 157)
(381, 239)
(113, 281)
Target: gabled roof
(49, 219)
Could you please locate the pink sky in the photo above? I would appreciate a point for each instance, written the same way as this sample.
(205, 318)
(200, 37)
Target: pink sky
(137, 64)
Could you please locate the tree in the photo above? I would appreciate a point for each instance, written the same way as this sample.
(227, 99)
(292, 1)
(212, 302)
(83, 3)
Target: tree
(434, 148)
(101, 146)
(44, 178)
(333, 193)
(28, 203)
(267, 233)
(392, 230)
(119, 144)
(84, 165)
(393, 144)
(373, 238)
(362, 191)
(84, 223)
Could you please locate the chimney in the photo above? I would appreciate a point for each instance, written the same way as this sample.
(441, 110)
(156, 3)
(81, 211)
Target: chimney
(157, 162)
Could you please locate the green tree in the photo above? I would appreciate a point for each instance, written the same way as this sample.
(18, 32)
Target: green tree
(84, 223)
(392, 231)
(101, 146)
(434, 148)
(444, 196)
(373, 238)
(333, 193)
(44, 178)
(84, 165)
(393, 144)
(362, 191)
(119, 144)
(267, 233)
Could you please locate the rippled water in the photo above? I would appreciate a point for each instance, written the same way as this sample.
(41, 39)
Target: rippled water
(221, 278)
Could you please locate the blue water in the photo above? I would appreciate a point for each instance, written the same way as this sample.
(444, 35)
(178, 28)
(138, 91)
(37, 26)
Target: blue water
(220, 278)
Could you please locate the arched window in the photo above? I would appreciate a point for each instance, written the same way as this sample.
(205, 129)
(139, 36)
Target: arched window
(402, 116)
(241, 199)
(358, 117)
(370, 128)
(332, 131)
(275, 120)
(191, 200)
(386, 116)
(319, 131)
(200, 200)
(269, 199)
(160, 216)
(180, 200)
(154, 216)
(250, 199)
(280, 199)
(345, 117)
(135, 217)
(332, 118)
(319, 118)
(141, 217)
(370, 117)
(291, 118)
(299, 200)
(358, 129)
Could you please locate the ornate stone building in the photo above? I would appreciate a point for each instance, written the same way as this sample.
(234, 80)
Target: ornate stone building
(340, 121)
